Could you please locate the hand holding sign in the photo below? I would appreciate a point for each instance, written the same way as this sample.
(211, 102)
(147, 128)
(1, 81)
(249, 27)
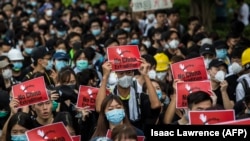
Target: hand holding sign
(144, 68)
(13, 105)
(106, 68)
(84, 112)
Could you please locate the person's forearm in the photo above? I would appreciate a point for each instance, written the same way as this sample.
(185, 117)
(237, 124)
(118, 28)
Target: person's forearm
(154, 101)
(227, 103)
(170, 112)
(101, 93)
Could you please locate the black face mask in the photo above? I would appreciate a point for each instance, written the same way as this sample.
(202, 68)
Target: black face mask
(43, 27)
(73, 86)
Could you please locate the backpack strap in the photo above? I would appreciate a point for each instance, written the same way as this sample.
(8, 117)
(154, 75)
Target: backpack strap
(245, 86)
(138, 101)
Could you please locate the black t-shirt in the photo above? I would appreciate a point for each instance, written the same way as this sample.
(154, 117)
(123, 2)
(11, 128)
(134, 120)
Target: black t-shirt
(232, 84)
(152, 51)
(27, 61)
(219, 96)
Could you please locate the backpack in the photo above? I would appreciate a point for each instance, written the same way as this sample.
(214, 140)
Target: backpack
(245, 86)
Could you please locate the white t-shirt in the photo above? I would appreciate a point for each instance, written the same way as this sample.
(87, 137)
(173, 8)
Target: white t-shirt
(244, 14)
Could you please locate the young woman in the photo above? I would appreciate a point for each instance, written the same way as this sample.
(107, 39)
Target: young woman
(18, 124)
(123, 133)
(112, 113)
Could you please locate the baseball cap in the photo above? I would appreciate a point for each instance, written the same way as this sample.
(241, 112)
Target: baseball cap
(162, 61)
(207, 49)
(61, 56)
(220, 44)
(39, 52)
(217, 63)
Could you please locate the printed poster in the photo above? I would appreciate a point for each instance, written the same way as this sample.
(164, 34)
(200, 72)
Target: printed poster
(30, 92)
(210, 117)
(124, 58)
(55, 131)
(190, 70)
(183, 89)
(145, 5)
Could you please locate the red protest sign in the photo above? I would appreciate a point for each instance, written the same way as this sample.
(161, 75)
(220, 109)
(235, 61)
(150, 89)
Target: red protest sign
(87, 96)
(124, 57)
(210, 117)
(139, 138)
(236, 122)
(30, 92)
(185, 88)
(190, 70)
(55, 131)
(76, 138)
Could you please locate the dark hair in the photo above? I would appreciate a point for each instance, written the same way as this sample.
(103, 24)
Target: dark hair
(93, 20)
(20, 118)
(103, 123)
(150, 59)
(192, 18)
(197, 97)
(28, 38)
(64, 75)
(85, 75)
(159, 11)
(123, 132)
(89, 53)
(166, 35)
(66, 118)
(77, 54)
(110, 41)
(119, 32)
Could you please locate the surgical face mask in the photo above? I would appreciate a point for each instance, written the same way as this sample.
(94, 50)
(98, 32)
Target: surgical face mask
(236, 68)
(61, 33)
(147, 43)
(49, 12)
(161, 75)
(52, 32)
(96, 32)
(82, 64)
(4, 54)
(112, 78)
(221, 53)
(33, 3)
(125, 81)
(61, 50)
(21, 137)
(135, 41)
(159, 94)
(207, 62)
(166, 100)
(28, 50)
(17, 66)
(29, 11)
(150, 17)
(248, 111)
(90, 11)
(113, 17)
(172, 44)
(7, 73)
(220, 76)
(127, 29)
(32, 19)
(152, 74)
(60, 64)
(49, 65)
(3, 114)
(115, 116)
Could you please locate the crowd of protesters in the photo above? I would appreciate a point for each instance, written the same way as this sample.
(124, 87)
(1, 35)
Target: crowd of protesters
(67, 45)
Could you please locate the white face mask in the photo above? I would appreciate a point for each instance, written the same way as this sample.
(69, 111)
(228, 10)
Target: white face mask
(161, 75)
(147, 43)
(173, 44)
(49, 12)
(150, 17)
(7, 73)
(220, 76)
(125, 81)
(207, 61)
(236, 68)
(152, 74)
(112, 78)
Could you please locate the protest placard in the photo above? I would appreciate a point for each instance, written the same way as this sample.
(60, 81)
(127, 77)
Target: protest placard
(124, 57)
(145, 5)
(30, 92)
(55, 131)
(183, 89)
(209, 117)
(190, 70)
(87, 96)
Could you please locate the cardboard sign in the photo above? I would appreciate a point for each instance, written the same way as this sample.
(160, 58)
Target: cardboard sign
(55, 131)
(190, 70)
(139, 138)
(183, 89)
(87, 96)
(145, 5)
(124, 57)
(30, 92)
(236, 122)
(76, 138)
(209, 117)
